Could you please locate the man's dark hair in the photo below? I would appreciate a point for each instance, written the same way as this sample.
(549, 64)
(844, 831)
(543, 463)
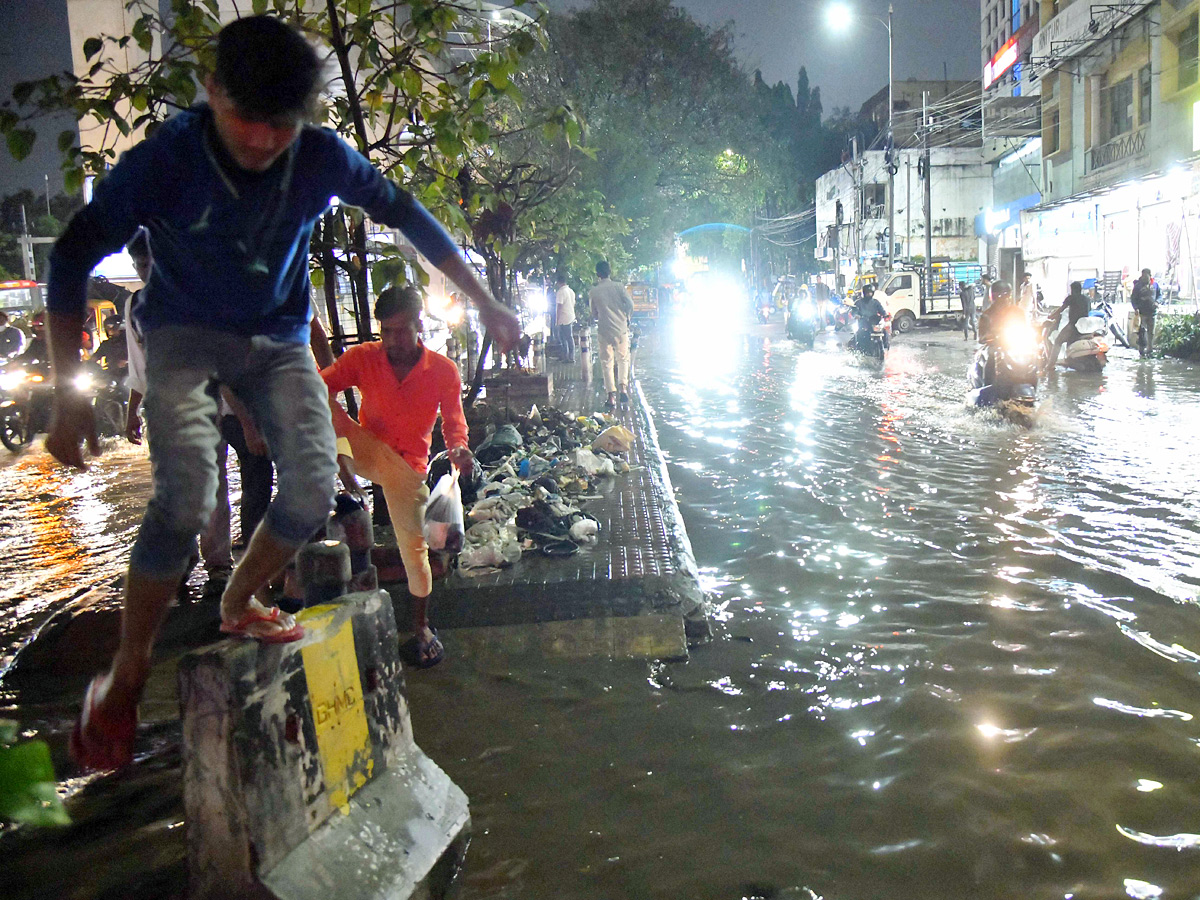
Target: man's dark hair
(561, 279)
(398, 299)
(1146, 273)
(1076, 287)
(139, 247)
(603, 269)
(266, 67)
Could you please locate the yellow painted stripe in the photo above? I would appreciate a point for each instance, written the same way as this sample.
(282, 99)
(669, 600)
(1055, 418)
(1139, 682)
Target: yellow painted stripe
(335, 692)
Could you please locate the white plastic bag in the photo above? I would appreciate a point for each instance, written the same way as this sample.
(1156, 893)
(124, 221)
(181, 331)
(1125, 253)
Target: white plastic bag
(444, 528)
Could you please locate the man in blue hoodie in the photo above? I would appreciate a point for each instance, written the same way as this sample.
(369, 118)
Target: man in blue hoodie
(229, 192)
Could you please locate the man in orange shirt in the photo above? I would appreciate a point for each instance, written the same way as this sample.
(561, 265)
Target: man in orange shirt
(403, 385)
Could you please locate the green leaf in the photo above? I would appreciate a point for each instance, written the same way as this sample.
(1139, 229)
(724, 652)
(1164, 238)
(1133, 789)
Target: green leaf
(66, 140)
(259, 7)
(27, 789)
(20, 142)
(91, 47)
(316, 276)
(73, 181)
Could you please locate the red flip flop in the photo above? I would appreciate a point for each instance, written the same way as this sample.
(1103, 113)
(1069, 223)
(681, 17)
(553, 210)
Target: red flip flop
(241, 627)
(99, 743)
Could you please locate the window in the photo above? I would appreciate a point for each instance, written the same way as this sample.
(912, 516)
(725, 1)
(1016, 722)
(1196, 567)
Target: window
(1144, 95)
(1189, 57)
(899, 283)
(1050, 132)
(1116, 108)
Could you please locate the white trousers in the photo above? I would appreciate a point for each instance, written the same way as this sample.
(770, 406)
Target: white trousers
(615, 354)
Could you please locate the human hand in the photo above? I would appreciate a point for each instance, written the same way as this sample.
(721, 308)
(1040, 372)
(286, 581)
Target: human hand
(254, 440)
(501, 322)
(349, 477)
(461, 458)
(72, 425)
(133, 426)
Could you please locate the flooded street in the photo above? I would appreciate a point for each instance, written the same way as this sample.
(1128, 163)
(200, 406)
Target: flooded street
(954, 657)
(957, 657)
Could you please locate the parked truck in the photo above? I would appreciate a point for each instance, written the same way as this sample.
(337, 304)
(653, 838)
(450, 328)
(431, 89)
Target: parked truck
(903, 294)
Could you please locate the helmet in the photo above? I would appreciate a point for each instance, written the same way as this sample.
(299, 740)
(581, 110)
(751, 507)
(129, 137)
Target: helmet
(868, 290)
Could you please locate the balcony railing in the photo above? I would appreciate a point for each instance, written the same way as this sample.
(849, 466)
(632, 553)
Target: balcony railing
(1127, 146)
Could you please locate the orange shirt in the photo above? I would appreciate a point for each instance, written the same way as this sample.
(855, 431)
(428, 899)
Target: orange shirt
(403, 414)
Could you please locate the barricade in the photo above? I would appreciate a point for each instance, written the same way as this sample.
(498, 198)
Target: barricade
(301, 776)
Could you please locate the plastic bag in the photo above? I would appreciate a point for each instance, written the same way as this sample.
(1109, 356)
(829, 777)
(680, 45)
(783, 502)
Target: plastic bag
(615, 439)
(444, 515)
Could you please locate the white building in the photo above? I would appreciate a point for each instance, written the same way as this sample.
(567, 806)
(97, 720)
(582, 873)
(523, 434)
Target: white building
(961, 189)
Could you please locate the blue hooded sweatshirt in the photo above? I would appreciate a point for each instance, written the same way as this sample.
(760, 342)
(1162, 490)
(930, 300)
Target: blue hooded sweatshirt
(230, 247)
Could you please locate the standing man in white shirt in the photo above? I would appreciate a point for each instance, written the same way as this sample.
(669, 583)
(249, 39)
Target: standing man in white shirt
(564, 299)
(1025, 297)
(612, 308)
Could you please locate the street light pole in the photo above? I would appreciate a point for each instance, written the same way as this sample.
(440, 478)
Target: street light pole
(891, 197)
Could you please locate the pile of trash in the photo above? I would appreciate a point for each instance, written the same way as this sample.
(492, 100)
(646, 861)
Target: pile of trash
(536, 475)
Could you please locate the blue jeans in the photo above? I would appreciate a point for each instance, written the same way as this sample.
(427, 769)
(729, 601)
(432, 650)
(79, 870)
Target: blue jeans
(566, 340)
(280, 385)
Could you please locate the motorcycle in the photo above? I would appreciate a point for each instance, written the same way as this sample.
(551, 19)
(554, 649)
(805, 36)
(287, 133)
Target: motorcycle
(110, 397)
(25, 395)
(762, 309)
(802, 322)
(1102, 306)
(871, 342)
(1005, 371)
(1089, 352)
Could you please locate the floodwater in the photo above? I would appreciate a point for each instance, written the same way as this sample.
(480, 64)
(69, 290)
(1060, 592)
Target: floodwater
(954, 657)
(957, 657)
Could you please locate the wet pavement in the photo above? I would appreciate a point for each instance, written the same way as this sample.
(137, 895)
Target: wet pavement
(956, 657)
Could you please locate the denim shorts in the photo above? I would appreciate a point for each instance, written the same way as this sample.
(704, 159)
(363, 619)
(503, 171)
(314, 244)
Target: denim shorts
(283, 390)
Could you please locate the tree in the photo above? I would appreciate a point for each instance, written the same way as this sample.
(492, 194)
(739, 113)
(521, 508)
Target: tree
(412, 83)
(664, 99)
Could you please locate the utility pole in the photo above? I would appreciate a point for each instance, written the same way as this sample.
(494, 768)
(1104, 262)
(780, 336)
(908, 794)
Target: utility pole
(856, 176)
(891, 153)
(928, 199)
(47, 177)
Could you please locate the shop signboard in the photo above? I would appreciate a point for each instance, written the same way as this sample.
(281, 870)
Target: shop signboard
(1013, 117)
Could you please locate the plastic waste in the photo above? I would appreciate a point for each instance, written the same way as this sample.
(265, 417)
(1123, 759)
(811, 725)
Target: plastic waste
(585, 530)
(614, 439)
(501, 443)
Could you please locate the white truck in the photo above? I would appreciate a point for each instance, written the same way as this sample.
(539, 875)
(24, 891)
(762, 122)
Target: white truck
(903, 296)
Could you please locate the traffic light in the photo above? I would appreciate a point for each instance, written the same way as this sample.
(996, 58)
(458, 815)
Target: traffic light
(838, 214)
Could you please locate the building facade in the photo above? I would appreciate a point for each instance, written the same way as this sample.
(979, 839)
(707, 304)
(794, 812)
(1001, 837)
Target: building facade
(1120, 144)
(856, 240)
(1011, 130)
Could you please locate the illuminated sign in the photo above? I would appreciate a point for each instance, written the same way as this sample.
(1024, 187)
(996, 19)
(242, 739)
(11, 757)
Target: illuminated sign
(1005, 58)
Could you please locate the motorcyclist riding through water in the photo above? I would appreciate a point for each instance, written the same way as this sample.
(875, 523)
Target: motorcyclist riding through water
(1005, 369)
(870, 313)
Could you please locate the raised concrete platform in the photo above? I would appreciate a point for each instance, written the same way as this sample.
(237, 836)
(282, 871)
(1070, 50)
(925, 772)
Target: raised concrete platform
(301, 776)
(641, 569)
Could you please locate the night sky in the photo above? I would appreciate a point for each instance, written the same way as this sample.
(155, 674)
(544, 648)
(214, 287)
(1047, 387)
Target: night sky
(780, 36)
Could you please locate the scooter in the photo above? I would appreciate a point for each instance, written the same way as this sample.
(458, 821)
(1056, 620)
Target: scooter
(1004, 373)
(762, 309)
(802, 322)
(1089, 353)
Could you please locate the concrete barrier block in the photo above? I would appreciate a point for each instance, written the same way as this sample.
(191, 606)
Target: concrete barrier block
(291, 750)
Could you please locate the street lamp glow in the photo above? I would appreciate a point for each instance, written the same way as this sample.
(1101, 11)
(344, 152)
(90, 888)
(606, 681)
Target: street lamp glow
(839, 17)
